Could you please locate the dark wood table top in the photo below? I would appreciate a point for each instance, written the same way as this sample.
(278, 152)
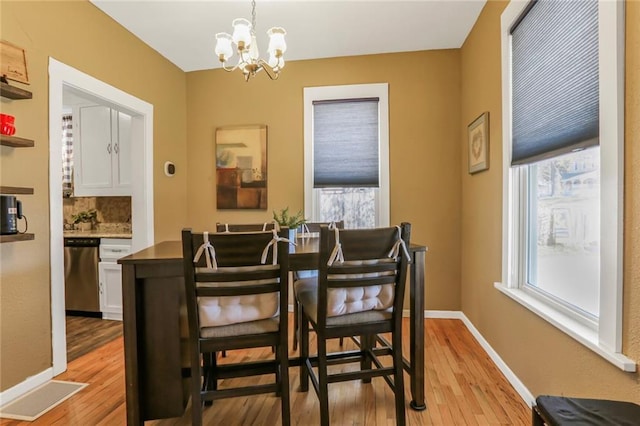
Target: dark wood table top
(302, 254)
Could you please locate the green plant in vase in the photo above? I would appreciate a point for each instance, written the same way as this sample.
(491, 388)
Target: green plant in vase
(292, 221)
(85, 219)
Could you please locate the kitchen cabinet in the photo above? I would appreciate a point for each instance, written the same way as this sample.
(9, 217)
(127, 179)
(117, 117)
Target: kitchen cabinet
(110, 276)
(102, 152)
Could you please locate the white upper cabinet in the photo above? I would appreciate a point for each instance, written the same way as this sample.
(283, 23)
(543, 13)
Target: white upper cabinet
(102, 152)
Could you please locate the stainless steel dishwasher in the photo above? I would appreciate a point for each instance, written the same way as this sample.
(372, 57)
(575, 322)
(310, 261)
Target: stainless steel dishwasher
(81, 275)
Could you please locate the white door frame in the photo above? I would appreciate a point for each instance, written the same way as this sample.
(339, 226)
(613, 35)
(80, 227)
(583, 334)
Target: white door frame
(61, 75)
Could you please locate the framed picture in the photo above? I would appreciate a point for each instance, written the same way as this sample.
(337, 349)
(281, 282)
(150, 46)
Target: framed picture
(241, 167)
(13, 62)
(478, 133)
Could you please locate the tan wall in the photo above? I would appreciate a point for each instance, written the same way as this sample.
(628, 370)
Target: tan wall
(544, 358)
(424, 94)
(80, 35)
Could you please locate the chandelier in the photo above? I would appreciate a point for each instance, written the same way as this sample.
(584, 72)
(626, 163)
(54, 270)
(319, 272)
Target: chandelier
(244, 41)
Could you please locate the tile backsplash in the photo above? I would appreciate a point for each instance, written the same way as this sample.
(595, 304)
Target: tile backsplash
(113, 212)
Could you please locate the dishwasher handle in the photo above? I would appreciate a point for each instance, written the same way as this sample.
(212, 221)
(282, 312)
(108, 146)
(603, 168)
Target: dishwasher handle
(82, 242)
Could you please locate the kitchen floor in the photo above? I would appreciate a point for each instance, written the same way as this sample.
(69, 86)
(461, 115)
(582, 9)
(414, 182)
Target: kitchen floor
(85, 334)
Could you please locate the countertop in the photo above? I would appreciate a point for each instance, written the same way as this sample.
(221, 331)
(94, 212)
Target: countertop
(98, 233)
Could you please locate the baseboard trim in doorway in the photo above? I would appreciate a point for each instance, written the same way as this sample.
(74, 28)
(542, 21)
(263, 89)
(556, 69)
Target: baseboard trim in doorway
(35, 403)
(25, 386)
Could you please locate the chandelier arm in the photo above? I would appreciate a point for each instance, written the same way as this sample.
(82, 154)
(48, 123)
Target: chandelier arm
(224, 67)
(273, 75)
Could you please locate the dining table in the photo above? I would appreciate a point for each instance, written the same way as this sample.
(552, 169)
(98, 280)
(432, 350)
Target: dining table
(155, 327)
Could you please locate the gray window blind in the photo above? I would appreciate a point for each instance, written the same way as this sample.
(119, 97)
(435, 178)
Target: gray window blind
(555, 90)
(345, 143)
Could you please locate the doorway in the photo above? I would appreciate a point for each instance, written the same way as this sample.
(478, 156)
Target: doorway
(63, 77)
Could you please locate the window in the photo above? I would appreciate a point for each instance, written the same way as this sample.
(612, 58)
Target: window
(563, 233)
(347, 154)
(563, 167)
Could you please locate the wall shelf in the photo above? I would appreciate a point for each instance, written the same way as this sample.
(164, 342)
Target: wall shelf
(16, 142)
(16, 237)
(16, 190)
(13, 92)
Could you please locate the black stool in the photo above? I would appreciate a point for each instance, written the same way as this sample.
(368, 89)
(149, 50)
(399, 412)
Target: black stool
(560, 411)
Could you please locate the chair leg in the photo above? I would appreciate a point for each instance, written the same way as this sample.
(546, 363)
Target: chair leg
(196, 397)
(279, 359)
(296, 322)
(366, 343)
(536, 418)
(284, 383)
(323, 387)
(304, 351)
(398, 378)
(209, 382)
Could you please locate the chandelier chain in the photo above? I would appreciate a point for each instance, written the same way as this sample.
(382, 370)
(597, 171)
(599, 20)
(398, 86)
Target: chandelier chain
(253, 14)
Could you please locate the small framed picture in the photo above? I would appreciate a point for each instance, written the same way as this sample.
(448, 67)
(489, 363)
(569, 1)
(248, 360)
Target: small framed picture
(478, 133)
(13, 62)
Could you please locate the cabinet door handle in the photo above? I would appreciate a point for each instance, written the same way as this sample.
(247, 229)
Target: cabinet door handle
(100, 287)
(109, 148)
(115, 148)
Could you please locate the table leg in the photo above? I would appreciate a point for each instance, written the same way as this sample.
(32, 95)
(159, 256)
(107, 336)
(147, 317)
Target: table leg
(416, 345)
(131, 340)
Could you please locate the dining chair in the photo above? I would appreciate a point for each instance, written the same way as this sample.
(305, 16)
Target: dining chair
(361, 283)
(307, 279)
(235, 286)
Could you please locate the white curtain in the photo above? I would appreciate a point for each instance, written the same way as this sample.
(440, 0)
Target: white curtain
(67, 154)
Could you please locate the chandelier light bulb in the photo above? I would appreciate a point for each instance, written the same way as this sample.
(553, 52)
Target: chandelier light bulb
(224, 50)
(276, 40)
(242, 33)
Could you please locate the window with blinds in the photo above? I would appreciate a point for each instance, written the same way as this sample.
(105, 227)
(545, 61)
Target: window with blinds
(346, 139)
(563, 123)
(346, 154)
(555, 92)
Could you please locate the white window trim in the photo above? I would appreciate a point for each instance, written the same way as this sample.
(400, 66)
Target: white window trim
(354, 91)
(607, 339)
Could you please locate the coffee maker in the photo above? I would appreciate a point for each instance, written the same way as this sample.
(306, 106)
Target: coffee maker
(10, 212)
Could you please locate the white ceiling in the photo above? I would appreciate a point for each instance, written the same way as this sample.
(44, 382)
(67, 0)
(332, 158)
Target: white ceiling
(184, 31)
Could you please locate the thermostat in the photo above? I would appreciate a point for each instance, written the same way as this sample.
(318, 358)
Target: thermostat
(169, 168)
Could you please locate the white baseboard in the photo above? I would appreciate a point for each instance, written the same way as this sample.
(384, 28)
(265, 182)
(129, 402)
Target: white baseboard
(40, 378)
(113, 316)
(25, 386)
(522, 390)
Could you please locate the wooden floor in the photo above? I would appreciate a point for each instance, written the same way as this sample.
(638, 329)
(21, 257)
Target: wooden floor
(84, 334)
(463, 387)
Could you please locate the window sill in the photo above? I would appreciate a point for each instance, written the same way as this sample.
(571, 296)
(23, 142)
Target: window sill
(573, 328)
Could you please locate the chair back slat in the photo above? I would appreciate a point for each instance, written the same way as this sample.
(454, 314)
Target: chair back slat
(235, 249)
(315, 226)
(384, 265)
(361, 282)
(244, 227)
(242, 273)
(237, 291)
